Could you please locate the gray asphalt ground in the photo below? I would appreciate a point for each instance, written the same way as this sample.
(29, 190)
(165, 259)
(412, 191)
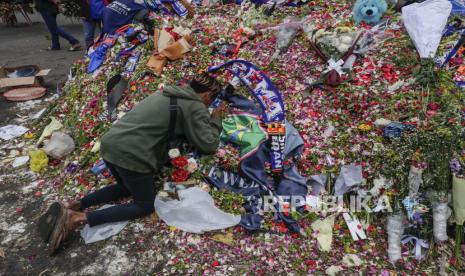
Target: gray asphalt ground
(26, 44)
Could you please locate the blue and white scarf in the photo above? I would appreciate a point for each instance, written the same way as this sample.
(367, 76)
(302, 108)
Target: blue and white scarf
(270, 101)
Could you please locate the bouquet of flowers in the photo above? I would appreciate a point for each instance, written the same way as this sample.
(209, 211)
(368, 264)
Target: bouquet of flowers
(457, 167)
(183, 167)
(7, 13)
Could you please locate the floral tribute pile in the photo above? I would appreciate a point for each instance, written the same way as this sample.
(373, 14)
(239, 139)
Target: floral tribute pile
(399, 118)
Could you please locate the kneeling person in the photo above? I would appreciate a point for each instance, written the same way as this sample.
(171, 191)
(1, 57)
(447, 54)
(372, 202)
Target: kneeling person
(134, 149)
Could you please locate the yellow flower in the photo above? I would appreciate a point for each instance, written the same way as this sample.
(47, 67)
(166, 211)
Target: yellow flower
(172, 228)
(133, 88)
(29, 135)
(364, 127)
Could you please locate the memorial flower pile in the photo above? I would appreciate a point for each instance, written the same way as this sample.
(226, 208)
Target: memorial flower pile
(394, 116)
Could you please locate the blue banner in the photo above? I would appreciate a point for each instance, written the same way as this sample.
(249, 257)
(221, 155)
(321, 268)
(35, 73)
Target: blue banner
(271, 103)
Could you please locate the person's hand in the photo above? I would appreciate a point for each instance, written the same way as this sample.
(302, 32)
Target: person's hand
(219, 111)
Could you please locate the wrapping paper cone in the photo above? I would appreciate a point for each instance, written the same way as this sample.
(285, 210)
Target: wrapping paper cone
(164, 40)
(157, 63)
(458, 194)
(178, 49)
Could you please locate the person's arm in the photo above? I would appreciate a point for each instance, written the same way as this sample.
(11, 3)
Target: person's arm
(201, 130)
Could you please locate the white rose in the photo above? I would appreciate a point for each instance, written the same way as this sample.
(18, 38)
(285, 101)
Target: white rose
(191, 165)
(173, 153)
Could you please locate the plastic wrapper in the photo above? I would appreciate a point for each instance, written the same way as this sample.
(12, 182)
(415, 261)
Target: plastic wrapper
(59, 145)
(195, 212)
(286, 33)
(54, 125)
(350, 177)
(458, 194)
(425, 23)
(441, 212)
(39, 160)
(102, 231)
(395, 230)
(414, 180)
(372, 38)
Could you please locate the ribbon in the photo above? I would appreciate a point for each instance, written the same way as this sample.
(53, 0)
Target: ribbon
(335, 65)
(419, 243)
(271, 103)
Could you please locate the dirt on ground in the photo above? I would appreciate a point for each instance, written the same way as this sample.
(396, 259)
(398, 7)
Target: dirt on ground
(21, 250)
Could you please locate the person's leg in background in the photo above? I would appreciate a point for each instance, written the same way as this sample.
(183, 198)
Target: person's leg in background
(51, 22)
(89, 31)
(71, 39)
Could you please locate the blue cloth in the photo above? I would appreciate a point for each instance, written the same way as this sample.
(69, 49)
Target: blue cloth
(97, 57)
(50, 19)
(395, 129)
(252, 170)
(458, 7)
(118, 14)
(270, 101)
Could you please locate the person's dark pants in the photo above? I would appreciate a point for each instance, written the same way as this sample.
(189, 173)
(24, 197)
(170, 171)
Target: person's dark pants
(89, 30)
(50, 20)
(138, 185)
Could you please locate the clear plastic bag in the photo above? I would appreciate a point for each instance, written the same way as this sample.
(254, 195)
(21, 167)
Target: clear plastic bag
(286, 33)
(395, 230)
(59, 145)
(195, 212)
(441, 213)
(103, 231)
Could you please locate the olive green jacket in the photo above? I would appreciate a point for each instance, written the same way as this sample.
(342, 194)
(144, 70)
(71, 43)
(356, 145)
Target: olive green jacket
(139, 140)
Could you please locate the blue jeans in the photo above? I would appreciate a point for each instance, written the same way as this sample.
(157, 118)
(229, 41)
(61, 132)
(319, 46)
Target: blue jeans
(50, 20)
(89, 30)
(139, 186)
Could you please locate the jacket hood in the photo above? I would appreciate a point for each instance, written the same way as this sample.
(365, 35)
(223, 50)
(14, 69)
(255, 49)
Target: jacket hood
(181, 92)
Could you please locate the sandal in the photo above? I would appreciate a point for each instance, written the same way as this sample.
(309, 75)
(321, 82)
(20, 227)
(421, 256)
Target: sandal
(48, 220)
(60, 232)
(75, 47)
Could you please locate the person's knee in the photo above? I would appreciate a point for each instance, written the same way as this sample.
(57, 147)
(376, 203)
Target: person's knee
(146, 207)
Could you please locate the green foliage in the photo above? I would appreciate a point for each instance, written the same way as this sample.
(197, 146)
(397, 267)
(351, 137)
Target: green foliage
(228, 201)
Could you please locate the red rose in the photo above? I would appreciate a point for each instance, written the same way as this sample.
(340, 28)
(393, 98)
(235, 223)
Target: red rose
(179, 175)
(179, 162)
(433, 106)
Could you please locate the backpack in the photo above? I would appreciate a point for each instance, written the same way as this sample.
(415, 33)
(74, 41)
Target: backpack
(96, 8)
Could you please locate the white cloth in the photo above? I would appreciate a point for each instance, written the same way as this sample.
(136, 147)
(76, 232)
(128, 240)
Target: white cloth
(102, 231)
(195, 212)
(425, 23)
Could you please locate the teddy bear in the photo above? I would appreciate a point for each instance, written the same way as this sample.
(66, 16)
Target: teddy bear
(369, 11)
